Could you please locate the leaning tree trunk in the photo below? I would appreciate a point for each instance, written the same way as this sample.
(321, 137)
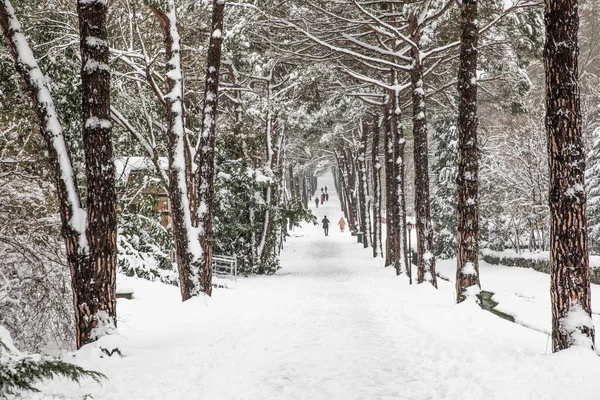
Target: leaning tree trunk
(467, 270)
(392, 244)
(205, 157)
(376, 170)
(425, 257)
(73, 216)
(365, 223)
(187, 248)
(95, 289)
(569, 263)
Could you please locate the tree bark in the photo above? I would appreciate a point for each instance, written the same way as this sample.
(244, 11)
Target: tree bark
(376, 170)
(291, 182)
(274, 148)
(95, 287)
(425, 253)
(467, 270)
(391, 190)
(347, 182)
(365, 222)
(353, 191)
(187, 248)
(569, 262)
(340, 188)
(206, 150)
(400, 199)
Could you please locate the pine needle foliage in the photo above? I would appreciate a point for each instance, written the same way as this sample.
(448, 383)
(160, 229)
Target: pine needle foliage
(19, 373)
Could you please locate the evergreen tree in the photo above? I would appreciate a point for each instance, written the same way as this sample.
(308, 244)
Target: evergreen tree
(443, 203)
(592, 183)
(19, 372)
(570, 290)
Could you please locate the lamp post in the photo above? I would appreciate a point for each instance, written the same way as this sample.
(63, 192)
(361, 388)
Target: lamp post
(409, 228)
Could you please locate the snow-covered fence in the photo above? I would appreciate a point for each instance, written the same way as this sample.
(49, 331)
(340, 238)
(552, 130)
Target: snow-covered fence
(224, 265)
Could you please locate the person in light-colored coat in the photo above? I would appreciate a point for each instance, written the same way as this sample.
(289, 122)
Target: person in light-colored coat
(342, 224)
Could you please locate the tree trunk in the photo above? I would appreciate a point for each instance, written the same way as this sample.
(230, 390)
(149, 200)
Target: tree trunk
(569, 262)
(274, 148)
(425, 255)
(352, 192)
(391, 191)
(187, 248)
(346, 183)
(304, 192)
(95, 288)
(467, 270)
(340, 187)
(365, 223)
(400, 199)
(291, 182)
(205, 156)
(377, 245)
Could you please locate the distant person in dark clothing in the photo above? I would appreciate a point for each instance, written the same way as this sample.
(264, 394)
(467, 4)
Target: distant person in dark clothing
(322, 198)
(326, 196)
(325, 189)
(317, 202)
(321, 190)
(325, 222)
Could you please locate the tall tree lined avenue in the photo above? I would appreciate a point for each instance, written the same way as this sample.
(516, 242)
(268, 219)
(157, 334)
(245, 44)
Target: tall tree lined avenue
(186, 138)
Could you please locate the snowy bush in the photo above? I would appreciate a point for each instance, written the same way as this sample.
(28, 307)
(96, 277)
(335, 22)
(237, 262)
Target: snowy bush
(19, 372)
(35, 293)
(144, 246)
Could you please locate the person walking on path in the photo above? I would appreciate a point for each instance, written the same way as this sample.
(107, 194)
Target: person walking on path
(322, 198)
(342, 224)
(317, 202)
(325, 222)
(326, 196)
(325, 189)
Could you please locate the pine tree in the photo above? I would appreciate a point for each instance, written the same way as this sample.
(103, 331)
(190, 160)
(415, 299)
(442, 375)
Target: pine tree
(592, 183)
(467, 179)
(205, 157)
(569, 260)
(443, 203)
(187, 248)
(19, 372)
(95, 311)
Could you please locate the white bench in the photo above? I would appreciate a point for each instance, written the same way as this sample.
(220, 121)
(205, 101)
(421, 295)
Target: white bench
(224, 265)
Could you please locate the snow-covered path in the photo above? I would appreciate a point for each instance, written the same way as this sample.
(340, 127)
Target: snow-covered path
(332, 324)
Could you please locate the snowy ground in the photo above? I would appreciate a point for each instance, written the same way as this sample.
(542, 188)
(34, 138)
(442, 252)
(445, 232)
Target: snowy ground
(335, 324)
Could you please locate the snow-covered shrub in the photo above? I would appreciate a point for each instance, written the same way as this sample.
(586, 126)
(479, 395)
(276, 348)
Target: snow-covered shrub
(235, 208)
(19, 372)
(35, 293)
(141, 253)
(144, 245)
(240, 210)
